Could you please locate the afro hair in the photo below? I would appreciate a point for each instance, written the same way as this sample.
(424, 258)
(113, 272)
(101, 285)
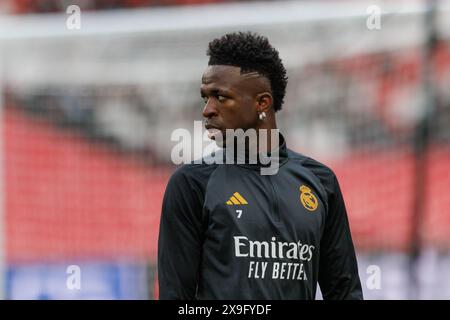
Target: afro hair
(252, 53)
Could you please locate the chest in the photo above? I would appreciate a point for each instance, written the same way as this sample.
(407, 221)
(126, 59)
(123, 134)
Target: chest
(244, 202)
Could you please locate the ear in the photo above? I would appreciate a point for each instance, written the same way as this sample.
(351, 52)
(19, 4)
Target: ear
(263, 101)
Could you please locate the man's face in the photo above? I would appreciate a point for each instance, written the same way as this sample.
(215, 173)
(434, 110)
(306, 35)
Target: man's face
(230, 98)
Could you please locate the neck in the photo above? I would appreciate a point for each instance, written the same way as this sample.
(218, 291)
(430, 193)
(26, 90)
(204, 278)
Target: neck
(268, 125)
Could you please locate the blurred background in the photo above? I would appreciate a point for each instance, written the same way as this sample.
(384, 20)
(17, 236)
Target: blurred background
(86, 116)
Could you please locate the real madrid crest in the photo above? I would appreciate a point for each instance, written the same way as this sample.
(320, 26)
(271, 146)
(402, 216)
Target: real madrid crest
(308, 199)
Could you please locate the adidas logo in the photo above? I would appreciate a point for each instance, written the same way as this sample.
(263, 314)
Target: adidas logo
(236, 199)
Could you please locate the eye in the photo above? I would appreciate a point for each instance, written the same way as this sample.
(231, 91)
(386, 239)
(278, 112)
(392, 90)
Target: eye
(205, 99)
(221, 98)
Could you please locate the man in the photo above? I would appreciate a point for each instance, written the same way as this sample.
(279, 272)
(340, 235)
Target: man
(229, 232)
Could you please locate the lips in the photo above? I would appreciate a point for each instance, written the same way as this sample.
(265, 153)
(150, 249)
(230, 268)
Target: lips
(213, 131)
(210, 126)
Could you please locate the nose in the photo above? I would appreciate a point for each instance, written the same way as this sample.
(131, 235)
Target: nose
(210, 109)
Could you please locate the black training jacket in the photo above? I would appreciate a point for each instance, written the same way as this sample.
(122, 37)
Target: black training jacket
(228, 232)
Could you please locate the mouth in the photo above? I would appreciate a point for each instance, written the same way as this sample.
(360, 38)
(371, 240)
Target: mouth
(213, 131)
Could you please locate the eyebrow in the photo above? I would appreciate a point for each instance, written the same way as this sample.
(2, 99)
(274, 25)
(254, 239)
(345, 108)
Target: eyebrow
(214, 91)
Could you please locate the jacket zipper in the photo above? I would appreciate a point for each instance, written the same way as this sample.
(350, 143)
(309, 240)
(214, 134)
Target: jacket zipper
(274, 201)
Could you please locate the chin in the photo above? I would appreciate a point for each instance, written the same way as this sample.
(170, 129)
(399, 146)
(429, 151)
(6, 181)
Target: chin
(220, 142)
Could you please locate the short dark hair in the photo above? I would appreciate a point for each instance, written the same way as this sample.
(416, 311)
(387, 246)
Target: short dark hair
(252, 53)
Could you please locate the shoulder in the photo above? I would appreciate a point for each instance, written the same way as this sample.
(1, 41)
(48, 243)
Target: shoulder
(324, 173)
(192, 174)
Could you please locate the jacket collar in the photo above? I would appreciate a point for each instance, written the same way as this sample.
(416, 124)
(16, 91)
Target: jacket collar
(278, 155)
